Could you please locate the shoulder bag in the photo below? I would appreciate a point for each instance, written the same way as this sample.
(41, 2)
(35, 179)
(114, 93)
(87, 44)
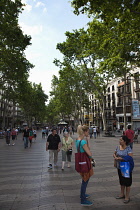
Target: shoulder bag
(82, 161)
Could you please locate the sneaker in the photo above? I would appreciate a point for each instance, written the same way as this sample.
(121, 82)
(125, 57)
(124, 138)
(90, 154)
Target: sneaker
(87, 196)
(13, 144)
(86, 203)
(50, 166)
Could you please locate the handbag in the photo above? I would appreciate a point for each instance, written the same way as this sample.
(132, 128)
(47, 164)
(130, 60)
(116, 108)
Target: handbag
(69, 152)
(125, 169)
(82, 161)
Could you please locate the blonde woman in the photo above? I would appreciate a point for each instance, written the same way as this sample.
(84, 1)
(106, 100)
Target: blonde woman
(67, 144)
(83, 133)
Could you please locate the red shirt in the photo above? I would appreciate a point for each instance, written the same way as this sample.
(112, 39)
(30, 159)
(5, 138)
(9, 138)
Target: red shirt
(13, 133)
(130, 134)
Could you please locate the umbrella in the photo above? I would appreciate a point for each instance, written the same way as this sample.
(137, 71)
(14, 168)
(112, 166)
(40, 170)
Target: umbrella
(62, 123)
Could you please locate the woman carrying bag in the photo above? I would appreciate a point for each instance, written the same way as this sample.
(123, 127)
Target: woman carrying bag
(125, 164)
(81, 144)
(67, 144)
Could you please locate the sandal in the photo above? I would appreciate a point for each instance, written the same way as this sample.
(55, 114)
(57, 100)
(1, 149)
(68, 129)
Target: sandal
(126, 201)
(120, 197)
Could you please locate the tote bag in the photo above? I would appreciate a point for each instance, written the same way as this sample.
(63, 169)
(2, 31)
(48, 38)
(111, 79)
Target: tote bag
(82, 161)
(125, 169)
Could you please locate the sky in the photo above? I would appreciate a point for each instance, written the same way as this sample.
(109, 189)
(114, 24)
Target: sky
(46, 21)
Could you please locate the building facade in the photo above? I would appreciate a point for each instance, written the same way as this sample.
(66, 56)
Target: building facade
(115, 93)
(10, 114)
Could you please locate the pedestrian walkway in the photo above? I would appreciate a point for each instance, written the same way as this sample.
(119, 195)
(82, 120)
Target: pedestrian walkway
(27, 184)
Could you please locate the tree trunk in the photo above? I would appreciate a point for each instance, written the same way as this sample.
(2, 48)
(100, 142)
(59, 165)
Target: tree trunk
(102, 108)
(13, 115)
(124, 102)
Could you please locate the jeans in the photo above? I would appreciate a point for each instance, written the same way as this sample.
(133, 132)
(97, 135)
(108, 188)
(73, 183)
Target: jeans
(131, 145)
(83, 190)
(95, 135)
(26, 142)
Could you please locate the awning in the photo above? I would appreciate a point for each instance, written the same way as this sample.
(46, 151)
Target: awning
(62, 123)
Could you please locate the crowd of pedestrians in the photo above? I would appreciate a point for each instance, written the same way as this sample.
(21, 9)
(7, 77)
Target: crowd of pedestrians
(123, 153)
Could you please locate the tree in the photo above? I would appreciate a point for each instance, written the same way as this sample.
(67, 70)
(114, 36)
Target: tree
(32, 101)
(14, 65)
(121, 19)
(69, 94)
(82, 52)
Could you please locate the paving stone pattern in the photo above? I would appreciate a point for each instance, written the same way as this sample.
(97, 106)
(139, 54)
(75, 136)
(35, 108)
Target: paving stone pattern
(27, 184)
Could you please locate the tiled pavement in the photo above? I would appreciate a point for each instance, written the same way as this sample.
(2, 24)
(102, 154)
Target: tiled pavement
(27, 184)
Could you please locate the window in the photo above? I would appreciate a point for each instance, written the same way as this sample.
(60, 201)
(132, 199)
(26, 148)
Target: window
(108, 97)
(113, 96)
(112, 87)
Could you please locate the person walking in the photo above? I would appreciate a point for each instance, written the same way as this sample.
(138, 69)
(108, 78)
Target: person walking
(47, 131)
(26, 136)
(14, 135)
(53, 144)
(123, 153)
(95, 132)
(34, 134)
(73, 130)
(31, 135)
(83, 131)
(98, 131)
(8, 136)
(130, 135)
(90, 132)
(43, 133)
(67, 144)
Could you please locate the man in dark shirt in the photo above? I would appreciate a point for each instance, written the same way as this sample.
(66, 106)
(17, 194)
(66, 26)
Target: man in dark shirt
(26, 136)
(53, 145)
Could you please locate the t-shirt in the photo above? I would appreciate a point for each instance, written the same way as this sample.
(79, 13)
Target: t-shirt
(8, 133)
(130, 134)
(26, 133)
(34, 131)
(53, 141)
(94, 130)
(14, 133)
(122, 153)
(83, 142)
(31, 133)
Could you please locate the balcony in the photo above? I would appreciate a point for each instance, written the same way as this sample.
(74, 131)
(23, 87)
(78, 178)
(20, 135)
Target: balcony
(113, 106)
(137, 89)
(119, 110)
(120, 103)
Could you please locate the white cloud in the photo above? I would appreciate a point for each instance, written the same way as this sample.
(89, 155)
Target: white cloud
(45, 10)
(45, 78)
(27, 6)
(32, 30)
(39, 3)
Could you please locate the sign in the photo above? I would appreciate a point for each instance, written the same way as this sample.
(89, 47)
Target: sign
(136, 109)
(91, 117)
